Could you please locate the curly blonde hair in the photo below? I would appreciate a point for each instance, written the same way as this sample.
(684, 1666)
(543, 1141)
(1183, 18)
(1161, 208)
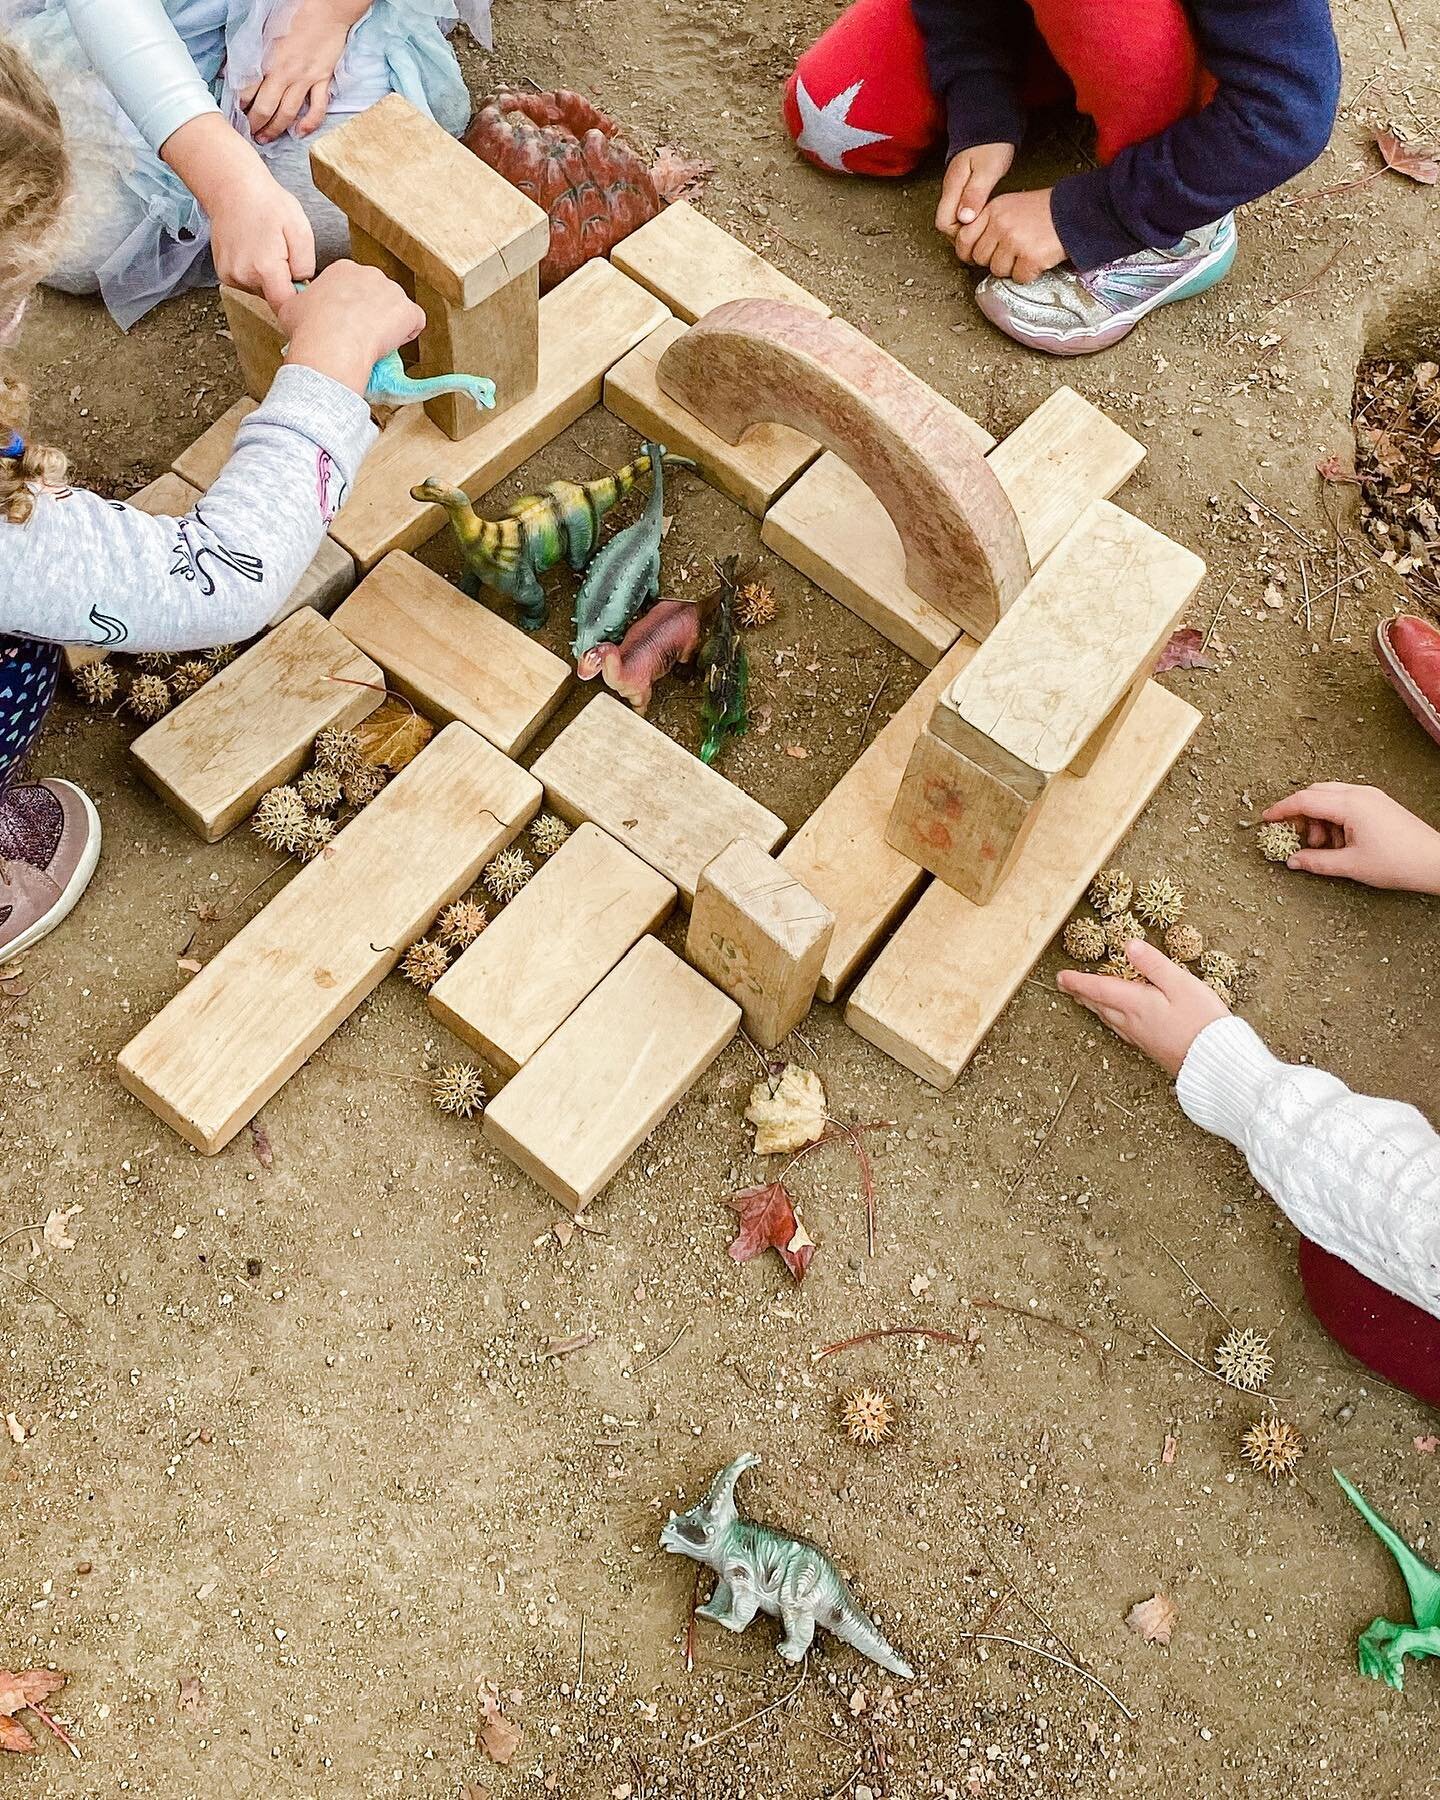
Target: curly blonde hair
(34, 184)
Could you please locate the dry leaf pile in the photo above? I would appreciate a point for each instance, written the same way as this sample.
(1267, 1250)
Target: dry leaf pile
(1397, 462)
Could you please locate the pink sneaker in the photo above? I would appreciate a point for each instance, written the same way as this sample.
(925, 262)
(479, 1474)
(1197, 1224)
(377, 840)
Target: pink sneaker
(49, 846)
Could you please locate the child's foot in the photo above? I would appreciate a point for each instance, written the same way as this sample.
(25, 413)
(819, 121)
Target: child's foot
(49, 845)
(1070, 314)
(1409, 652)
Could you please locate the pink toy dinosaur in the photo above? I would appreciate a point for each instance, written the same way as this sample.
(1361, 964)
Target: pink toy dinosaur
(659, 639)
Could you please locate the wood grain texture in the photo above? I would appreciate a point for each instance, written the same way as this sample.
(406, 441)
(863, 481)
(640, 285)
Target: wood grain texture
(557, 940)
(938, 986)
(421, 195)
(251, 726)
(225, 1044)
(499, 337)
(753, 361)
(201, 462)
(1055, 462)
(451, 656)
(761, 937)
(612, 766)
(693, 265)
(753, 472)
(596, 1090)
(259, 342)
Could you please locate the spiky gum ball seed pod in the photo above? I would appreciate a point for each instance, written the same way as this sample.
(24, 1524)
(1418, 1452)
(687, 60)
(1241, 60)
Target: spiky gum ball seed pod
(220, 656)
(361, 785)
(461, 923)
(317, 834)
(187, 677)
(1215, 965)
(868, 1416)
(1111, 892)
(96, 683)
(548, 833)
(1120, 931)
(425, 962)
(1272, 1446)
(754, 605)
(459, 1089)
(1277, 843)
(1222, 992)
(155, 661)
(1084, 939)
(319, 789)
(338, 750)
(280, 820)
(149, 697)
(1184, 943)
(1160, 902)
(504, 875)
(1122, 967)
(1243, 1359)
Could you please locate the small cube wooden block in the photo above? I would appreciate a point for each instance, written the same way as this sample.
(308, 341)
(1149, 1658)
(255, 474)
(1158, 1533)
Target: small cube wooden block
(557, 940)
(252, 725)
(761, 937)
(451, 656)
(694, 265)
(596, 1090)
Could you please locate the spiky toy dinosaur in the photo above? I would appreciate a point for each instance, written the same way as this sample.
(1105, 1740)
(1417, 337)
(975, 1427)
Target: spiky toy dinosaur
(1382, 1647)
(761, 1570)
(626, 573)
(660, 639)
(725, 671)
(510, 553)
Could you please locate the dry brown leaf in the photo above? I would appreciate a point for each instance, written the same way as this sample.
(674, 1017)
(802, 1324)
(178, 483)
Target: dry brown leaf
(1183, 650)
(57, 1227)
(191, 1697)
(18, 1433)
(264, 1149)
(789, 1113)
(1427, 1446)
(678, 176)
(1172, 1445)
(1153, 1619)
(190, 964)
(393, 735)
(1336, 469)
(471, 1790)
(1413, 160)
(768, 1222)
(30, 1687)
(499, 1739)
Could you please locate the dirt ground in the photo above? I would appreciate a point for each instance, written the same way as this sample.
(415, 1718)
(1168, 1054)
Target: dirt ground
(296, 1481)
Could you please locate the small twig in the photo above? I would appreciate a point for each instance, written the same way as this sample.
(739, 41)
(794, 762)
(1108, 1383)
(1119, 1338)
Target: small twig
(846, 1785)
(229, 910)
(1190, 1278)
(1044, 1139)
(20, 1231)
(1399, 26)
(885, 1331)
(1023, 1312)
(49, 1299)
(59, 1730)
(867, 1182)
(580, 1222)
(690, 1632)
(1294, 531)
(870, 709)
(995, 1637)
(1186, 1354)
(1305, 584)
(1209, 629)
(666, 1351)
(752, 1718)
(1034, 1611)
(580, 1671)
(555, 1347)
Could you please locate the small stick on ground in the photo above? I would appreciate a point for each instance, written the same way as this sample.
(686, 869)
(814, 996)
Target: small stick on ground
(1305, 584)
(1044, 1139)
(580, 1671)
(1190, 1278)
(690, 1623)
(885, 1331)
(1039, 1318)
(1209, 629)
(666, 1351)
(49, 1299)
(751, 1719)
(995, 1637)
(1294, 530)
(1399, 26)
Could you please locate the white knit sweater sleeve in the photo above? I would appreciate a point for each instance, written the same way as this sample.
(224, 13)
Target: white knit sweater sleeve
(1360, 1176)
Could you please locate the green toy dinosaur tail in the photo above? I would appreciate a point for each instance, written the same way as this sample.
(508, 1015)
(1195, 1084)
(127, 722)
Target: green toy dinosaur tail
(606, 491)
(1422, 1581)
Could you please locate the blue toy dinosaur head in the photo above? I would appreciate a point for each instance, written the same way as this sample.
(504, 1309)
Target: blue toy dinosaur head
(697, 1532)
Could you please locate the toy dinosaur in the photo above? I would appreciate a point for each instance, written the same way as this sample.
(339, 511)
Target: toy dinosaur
(1382, 1647)
(761, 1570)
(725, 670)
(391, 384)
(658, 640)
(510, 553)
(626, 572)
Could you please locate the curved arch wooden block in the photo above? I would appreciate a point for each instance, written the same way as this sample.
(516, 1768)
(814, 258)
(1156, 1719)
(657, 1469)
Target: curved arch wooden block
(753, 362)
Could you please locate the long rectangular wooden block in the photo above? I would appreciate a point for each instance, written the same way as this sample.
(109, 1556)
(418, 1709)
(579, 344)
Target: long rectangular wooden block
(938, 986)
(252, 725)
(596, 1090)
(451, 656)
(694, 265)
(1066, 454)
(225, 1044)
(754, 471)
(557, 940)
(612, 766)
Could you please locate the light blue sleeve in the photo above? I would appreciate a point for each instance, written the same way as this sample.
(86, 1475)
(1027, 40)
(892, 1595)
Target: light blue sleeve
(142, 59)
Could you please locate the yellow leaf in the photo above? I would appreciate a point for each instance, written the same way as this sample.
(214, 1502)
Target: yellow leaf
(393, 735)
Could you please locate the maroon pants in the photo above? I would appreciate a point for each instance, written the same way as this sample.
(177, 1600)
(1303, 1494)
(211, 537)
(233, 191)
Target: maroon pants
(1400, 1342)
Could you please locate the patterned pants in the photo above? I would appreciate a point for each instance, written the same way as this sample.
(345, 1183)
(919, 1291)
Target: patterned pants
(29, 672)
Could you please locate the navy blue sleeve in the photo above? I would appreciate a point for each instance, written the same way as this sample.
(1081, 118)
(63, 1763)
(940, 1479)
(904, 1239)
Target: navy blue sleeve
(1277, 69)
(974, 53)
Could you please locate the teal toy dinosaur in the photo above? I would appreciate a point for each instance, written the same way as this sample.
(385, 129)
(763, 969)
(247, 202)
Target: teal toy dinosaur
(760, 1570)
(1382, 1647)
(392, 385)
(626, 573)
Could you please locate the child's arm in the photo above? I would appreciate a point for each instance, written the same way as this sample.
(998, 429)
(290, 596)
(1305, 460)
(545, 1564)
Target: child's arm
(973, 52)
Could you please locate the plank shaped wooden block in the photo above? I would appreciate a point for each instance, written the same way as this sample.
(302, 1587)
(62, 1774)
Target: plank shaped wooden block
(840, 852)
(1066, 454)
(938, 986)
(693, 265)
(421, 195)
(252, 725)
(586, 324)
(754, 471)
(259, 342)
(451, 656)
(557, 940)
(597, 1089)
(225, 1044)
(201, 462)
(614, 767)
(761, 937)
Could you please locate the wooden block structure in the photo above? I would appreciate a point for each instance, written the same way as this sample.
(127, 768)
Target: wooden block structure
(451, 657)
(1050, 684)
(607, 1077)
(551, 946)
(251, 725)
(761, 937)
(471, 241)
(693, 265)
(259, 342)
(210, 1060)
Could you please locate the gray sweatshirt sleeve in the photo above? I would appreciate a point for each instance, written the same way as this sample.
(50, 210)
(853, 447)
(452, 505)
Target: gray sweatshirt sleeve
(141, 58)
(89, 571)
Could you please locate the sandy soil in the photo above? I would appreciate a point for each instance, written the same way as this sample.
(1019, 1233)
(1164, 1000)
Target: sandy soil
(291, 1436)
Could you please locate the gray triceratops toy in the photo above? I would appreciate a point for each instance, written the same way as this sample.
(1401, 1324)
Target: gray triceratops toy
(760, 1570)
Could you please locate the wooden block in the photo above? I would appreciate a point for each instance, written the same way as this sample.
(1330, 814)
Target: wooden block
(201, 462)
(754, 471)
(761, 937)
(755, 361)
(557, 940)
(259, 342)
(586, 324)
(693, 265)
(461, 228)
(1066, 454)
(500, 338)
(210, 1060)
(322, 587)
(840, 852)
(451, 656)
(612, 766)
(597, 1089)
(251, 726)
(938, 986)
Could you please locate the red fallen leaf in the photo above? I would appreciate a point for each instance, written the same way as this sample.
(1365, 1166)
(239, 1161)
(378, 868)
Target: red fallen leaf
(1172, 1445)
(499, 1738)
(191, 1697)
(768, 1222)
(678, 176)
(1336, 469)
(15, 1738)
(1408, 159)
(31, 1687)
(264, 1151)
(1182, 651)
(1153, 1619)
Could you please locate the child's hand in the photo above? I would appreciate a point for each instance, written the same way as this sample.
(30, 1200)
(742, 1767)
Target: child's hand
(1014, 237)
(260, 238)
(296, 85)
(969, 180)
(1164, 1018)
(1360, 833)
(346, 320)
